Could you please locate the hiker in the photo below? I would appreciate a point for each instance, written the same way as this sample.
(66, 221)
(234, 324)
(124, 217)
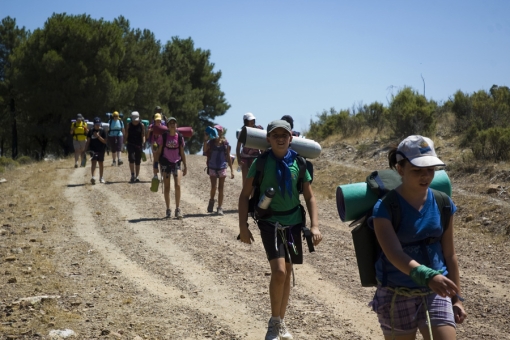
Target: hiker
(170, 156)
(290, 120)
(281, 231)
(245, 156)
(218, 159)
(422, 277)
(155, 140)
(116, 137)
(135, 140)
(79, 131)
(96, 143)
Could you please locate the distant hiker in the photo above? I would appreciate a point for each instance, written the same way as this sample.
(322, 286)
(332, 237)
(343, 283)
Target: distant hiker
(170, 156)
(418, 273)
(116, 137)
(96, 143)
(280, 231)
(155, 140)
(218, 160)
(245, 156)
(290, 120)
(135, 140)
(79, 131)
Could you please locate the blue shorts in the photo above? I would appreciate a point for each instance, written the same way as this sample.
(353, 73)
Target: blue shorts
(409, 312)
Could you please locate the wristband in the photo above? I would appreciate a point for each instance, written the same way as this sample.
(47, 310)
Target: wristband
(155, 166)
(422, 275)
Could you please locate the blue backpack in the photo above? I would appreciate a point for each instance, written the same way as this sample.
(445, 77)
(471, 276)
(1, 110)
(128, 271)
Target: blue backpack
(217, 156)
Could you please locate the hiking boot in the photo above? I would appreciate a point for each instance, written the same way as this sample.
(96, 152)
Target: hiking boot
(113, 163)
(101, 180)
(137, 180)
(120, 162)
(219, 211)
(210, 207)
(178, 213)
(93, 180)
(273, 330)
(132, 180)
(168, 213)
(284, 333)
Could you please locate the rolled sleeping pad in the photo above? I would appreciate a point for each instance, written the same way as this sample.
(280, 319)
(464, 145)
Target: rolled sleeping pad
(105, 126)
(186, 131)
(256, 139)
(354, 200)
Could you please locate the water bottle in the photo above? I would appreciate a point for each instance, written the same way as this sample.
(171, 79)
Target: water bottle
(239, 168)
(265, 200)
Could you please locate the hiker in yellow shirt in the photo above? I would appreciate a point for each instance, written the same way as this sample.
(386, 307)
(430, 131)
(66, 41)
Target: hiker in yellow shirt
(79, 131)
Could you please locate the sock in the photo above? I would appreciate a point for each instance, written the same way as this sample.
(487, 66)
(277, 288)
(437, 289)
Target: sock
(276, 318)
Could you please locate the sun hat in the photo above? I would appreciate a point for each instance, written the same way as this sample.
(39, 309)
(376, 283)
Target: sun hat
(135, 116)
(115, 114)
(248, 116)
(419, 151)
(171, 118)
(97, 120)
(279, 124)
(157, 116)
(218, 127)
(79, 116)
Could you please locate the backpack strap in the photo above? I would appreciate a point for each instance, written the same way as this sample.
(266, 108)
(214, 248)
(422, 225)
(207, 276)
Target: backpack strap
(391, 203)
(302, 172)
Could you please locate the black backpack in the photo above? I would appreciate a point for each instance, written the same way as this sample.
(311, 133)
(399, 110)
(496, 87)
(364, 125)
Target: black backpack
(366, 246)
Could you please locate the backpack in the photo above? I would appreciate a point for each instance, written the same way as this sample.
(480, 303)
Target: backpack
(217, 160)
(303, 165)
(81, 127)
(110, 125)
(366, 246)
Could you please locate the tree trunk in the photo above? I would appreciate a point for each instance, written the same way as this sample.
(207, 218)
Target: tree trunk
(14, 152)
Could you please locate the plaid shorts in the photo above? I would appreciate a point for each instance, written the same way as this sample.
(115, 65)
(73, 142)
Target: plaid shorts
(409, 312)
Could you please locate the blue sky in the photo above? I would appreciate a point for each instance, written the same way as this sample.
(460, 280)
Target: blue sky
(302, 57)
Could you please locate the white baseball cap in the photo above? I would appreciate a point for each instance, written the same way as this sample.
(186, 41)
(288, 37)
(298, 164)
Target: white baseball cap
(419, 151)
(248, 116)
(135, 116)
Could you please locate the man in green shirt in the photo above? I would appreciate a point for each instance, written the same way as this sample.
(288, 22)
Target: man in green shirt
(281, 232)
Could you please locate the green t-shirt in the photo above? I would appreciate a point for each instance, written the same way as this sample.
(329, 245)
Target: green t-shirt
(279, 202)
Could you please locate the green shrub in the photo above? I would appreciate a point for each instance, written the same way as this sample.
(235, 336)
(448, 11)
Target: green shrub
(490, 144)
(8, 163)
(24, 160)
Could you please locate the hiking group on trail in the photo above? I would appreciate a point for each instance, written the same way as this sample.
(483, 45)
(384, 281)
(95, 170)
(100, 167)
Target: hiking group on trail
(409, 229)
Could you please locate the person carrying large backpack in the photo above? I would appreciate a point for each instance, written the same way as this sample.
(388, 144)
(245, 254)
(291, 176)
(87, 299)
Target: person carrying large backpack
(245, 155)
(116, 137)
(79, 131)
(417, 272)
(96, 143)
(170, 155)
(281, 230)
(218, 160)
(135, 140)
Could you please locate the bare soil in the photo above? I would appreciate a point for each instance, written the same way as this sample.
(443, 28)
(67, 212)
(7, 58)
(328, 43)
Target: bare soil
(106, 264)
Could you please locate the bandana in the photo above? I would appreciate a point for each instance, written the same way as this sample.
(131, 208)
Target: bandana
(283, 175)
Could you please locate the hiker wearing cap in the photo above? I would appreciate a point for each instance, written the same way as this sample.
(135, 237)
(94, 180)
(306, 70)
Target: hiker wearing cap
(217, 151)
(96, 144)
(135, 139)
(116, 137)
(245, 156)
(79, 132)
(417, 272)
(290, 120)
(171, 158)
(281, 230)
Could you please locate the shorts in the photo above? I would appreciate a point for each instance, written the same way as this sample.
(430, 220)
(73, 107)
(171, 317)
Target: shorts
(168, 167)
(79, 145)
(409, 312)
(293, 234)
(134, 154)
(115, 143)
(220, 173)
(98, 156)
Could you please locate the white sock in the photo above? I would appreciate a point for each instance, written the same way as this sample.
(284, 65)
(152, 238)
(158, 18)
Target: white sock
(276, 318)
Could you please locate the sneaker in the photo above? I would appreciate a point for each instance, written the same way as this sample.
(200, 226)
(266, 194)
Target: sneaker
(284, 333)
(168, 213)
(120, 162)
(75, 165)
(219, 211)
(93, 180)
(178, 213)
(137, 180)
(101, 180)
(113, 163)
(132, 179)
(273, 330)
(210, 207)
